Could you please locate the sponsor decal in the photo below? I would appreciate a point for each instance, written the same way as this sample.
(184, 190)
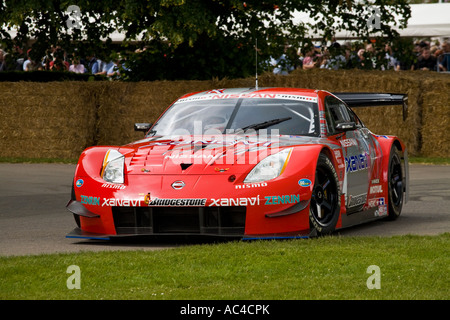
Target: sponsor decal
(285, 199)
(349, 142)
(112, 202)
(177, 202)
(113, 186)
(94, 201)
(147, 198)
(221, 95)
(255, 201)
(250, 185)
(189, 156)
(215, 91)
(358, 200)
(338, 156)
(304, 182)
(226, 202)
(79, 183)
(376, 202)
(252, 201)
(376, 189)
(382, 211)
(356, 163)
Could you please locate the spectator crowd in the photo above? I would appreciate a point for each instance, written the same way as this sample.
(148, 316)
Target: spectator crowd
(425, 56)
(57, 59)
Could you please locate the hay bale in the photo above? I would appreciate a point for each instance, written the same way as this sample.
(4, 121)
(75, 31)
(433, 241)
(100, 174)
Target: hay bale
(37, 118)
(436, 119)
(60, 119)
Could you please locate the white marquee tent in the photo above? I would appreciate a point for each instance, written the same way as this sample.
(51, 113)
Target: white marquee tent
(427, 20)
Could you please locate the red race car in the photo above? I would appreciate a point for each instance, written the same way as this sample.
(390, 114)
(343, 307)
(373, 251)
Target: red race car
(247, 163)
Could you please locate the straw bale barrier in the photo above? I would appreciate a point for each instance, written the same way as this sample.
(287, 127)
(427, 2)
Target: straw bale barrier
(60, 119)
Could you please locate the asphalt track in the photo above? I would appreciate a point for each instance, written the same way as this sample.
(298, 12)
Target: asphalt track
(34, 220)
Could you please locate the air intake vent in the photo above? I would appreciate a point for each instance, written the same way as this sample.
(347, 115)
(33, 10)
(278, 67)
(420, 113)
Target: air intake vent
(184, 166)
(219, 221)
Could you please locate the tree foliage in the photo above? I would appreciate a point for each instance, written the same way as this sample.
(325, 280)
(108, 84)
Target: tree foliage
(191, 39)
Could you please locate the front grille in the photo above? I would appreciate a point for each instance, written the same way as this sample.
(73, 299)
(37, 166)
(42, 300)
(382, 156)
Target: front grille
(226, 221)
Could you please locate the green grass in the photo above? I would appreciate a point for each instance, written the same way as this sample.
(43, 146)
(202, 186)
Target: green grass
(37, 160)
(412, 267)
(430, 160)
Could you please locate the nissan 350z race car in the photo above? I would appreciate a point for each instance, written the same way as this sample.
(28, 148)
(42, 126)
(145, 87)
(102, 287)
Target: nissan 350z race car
(248, 163)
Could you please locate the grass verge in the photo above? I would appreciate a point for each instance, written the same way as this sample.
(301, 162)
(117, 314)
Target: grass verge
(37, 160)
(412, 267)
(430, 160)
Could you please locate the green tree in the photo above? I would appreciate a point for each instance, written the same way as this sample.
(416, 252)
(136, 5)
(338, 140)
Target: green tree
(192, 39)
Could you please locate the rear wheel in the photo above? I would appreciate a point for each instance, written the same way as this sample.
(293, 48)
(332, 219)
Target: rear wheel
(395, 185)
(325, 198)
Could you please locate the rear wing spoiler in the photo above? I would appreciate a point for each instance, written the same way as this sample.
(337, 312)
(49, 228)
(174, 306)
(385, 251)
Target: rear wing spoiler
(369, 99)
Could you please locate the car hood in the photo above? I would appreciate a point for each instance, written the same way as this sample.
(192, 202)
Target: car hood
(232, 154)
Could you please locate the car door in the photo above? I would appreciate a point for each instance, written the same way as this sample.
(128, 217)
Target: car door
(356, 149)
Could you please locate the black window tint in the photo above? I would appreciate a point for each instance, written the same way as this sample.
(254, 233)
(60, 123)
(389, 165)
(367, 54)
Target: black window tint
(303, 116)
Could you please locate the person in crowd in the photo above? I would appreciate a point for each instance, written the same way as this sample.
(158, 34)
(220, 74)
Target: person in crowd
(444, 59)
(93, 64)
(3, 63)
(426, 61)
(310, 58)
(391, 62)
(360, 57)
(115, 70)
(334, 57)
(19, 58)
(77, 66)
(282, 65)
(26, 66)
(105, 66)
(59, 63)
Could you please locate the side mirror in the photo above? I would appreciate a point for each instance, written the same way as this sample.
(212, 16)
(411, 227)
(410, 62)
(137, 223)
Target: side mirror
(346, 126)
(144, 127)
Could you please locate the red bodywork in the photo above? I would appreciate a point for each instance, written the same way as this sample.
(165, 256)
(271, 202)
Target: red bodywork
(153, 175)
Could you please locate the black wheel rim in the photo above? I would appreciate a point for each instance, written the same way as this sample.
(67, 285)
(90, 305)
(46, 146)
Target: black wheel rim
(324, 197)
(396, 182)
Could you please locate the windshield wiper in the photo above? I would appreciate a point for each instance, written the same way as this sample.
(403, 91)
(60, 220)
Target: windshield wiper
(265, 124)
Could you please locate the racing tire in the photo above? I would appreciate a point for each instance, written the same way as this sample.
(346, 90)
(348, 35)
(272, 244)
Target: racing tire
(395, 185)
(325, 198)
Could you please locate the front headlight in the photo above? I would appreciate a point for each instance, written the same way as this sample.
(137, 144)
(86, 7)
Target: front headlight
(113, 164)
(270, 167)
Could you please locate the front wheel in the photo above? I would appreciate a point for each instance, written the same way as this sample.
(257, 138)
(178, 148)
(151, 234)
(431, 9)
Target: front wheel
(325, 199)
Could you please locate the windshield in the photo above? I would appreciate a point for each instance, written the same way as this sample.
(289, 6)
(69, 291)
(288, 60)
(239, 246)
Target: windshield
(242, 115)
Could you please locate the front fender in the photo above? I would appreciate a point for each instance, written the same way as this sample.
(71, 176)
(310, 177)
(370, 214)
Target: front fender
(91, 160)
